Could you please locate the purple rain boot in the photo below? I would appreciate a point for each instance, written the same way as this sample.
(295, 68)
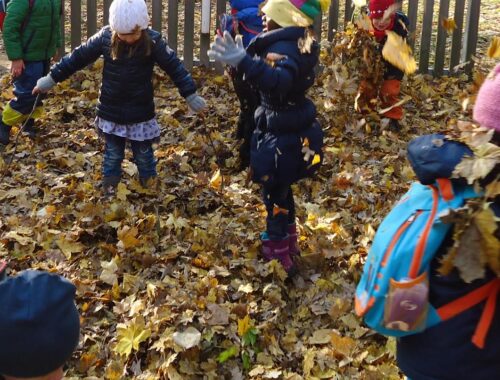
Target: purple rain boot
(277, 250)
(292, 240)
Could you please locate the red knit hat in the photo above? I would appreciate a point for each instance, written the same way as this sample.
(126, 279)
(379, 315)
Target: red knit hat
(378, 7)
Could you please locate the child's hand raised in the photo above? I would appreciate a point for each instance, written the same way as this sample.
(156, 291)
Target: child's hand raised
(43, 85)
(226, 50)
(196, 103)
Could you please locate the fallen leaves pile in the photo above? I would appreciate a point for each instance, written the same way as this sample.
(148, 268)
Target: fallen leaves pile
(169, 280)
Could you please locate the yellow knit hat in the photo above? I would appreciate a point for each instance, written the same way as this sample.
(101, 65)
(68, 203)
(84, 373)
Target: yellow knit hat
(285, 14)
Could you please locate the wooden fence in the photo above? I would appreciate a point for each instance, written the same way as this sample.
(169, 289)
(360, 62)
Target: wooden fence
(436, 51)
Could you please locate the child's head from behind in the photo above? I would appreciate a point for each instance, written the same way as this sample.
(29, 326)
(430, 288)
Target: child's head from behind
(286, 13)
(39, 325)
(377, 11)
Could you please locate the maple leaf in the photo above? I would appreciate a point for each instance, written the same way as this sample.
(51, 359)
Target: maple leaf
(398, 53)
(122, 192)
(485, 158)
(486, 223)
(467, 257)
(69, 246)
(127, 236)
(130, 335)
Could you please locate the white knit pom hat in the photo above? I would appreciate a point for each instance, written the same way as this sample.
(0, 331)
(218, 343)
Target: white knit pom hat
(126, 15)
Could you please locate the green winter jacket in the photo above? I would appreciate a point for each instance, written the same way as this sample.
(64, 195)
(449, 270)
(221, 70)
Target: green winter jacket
(40, 37)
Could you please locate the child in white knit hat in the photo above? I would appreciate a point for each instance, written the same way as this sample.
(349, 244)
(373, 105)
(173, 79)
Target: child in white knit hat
(126, 111)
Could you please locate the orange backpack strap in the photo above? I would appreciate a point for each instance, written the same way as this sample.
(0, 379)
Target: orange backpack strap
(445, 188)
(488, 292)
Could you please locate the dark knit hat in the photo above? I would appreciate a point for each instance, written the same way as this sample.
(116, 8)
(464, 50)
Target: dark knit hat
(39, 323)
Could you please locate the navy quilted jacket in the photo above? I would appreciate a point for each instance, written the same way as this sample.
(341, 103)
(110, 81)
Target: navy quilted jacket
(126, 94)
(285, 118)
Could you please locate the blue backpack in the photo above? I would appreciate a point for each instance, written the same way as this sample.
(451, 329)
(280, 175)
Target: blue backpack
(392, 295)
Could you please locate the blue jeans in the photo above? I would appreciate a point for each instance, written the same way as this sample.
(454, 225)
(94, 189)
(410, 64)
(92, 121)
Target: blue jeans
(279, 195)
(24, 85)
(114, 153)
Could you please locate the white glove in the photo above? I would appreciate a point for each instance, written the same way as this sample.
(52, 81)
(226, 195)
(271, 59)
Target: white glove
(196, 102)
(226, 50)
(44, 84)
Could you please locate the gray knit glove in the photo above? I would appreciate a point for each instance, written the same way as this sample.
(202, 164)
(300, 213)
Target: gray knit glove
(44, 84)
(226, 50)
(196, 102)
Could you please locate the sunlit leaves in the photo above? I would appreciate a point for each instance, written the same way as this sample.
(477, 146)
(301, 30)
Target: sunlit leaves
(398, 53)
(130, 335)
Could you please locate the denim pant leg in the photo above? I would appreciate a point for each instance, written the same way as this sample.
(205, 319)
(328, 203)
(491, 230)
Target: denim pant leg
(278, 195)
(114, 152)
(144, 158)
(24, 85)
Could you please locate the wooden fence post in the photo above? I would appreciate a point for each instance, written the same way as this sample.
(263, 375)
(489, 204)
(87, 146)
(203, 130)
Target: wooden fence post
(91, 18)
(188, 33)
(220, 9)
(204, 42)
(76, 23)
(105, 14)
(471, 31)
(348, 12)
(157, 10)
(412, 16)
(333, 19)
(444, 8)
(456, 44)
(425, 42)
(173, 23)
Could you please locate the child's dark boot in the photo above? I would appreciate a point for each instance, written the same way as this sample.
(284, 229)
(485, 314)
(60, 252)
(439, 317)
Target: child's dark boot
(29, 129)
(4, 133)
(109, 185)
(277, 250)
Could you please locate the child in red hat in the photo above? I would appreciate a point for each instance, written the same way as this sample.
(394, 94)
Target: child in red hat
(384, 18)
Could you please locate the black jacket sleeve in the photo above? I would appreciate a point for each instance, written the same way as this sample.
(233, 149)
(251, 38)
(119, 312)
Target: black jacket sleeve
(81, 57)
(166, 58)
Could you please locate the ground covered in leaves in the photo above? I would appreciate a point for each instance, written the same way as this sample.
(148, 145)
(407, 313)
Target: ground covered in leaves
(169, 281)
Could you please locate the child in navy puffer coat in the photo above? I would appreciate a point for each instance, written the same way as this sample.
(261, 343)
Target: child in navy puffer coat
(245, 20)
(287, 142)
(126, 111)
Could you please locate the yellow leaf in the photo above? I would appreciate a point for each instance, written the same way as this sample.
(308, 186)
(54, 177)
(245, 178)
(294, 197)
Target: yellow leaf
(108, 274)
(494, 48)
(487, 224)
(278, 210)
(322, 336)
(127, 236)
(131, 335)
(216, 180)
(397, 52)
(122, 191)
(343, 344)
(449, 24)
(244, 325)
(68, 246)
(316, 159)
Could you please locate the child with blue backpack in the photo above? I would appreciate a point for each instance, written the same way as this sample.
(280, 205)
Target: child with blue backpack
(447, 328)
(126, 109)
(287, 142)
(32, 34)
(244, 19)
